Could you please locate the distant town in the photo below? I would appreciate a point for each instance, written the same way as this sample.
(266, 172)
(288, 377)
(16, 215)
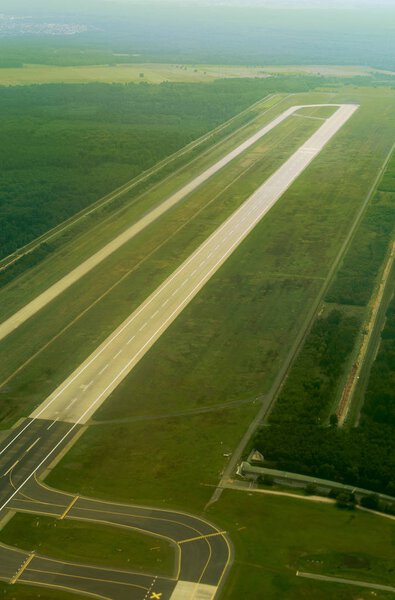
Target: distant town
(11, 26)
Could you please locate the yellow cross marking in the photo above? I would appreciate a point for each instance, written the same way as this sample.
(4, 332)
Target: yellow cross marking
(156, 596)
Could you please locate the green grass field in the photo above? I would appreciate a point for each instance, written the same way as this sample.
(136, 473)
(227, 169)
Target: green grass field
(88, 543)
(27, 592)
(275, 537)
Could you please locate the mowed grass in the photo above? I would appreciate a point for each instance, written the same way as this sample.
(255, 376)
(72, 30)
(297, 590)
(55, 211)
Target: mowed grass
(30, 592)
(124, 73)
(135, 271)
(90, 543)
(158, 73)
(274, 537)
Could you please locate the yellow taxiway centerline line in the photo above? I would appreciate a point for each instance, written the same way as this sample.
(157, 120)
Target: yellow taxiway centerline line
(68, 509)
(23, 568)
(202, 537)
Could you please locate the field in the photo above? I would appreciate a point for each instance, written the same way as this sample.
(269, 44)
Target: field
(159, 73)
(25, 592)
(275, 537)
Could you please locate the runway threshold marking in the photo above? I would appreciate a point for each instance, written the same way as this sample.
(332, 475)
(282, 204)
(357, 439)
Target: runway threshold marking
(22, 569)
(68, 509)
(202, 537)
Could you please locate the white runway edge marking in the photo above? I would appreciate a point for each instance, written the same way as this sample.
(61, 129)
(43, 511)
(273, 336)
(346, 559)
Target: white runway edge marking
(339, 122)
(350, 110)
(60, 286)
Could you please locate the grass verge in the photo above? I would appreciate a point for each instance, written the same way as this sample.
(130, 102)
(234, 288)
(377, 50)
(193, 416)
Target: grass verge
(275, 537)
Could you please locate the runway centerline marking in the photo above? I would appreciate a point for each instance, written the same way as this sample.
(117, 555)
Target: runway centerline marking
(32, 446)
(10, 469)
(53, 423)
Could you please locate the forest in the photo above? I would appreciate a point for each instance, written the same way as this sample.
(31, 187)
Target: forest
(363, 456)
(65, 146)
(368, 248)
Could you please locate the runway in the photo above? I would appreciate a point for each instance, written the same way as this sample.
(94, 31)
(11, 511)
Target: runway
(32, 307)
(204, 551)
(76, 400)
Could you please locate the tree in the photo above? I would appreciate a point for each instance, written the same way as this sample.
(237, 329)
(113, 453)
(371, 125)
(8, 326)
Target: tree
(311, 489)
(372, 501)
(333, 420)
(265, 480)
(345, 500)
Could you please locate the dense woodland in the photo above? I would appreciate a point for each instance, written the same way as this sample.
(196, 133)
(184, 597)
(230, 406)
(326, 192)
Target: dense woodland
(368, 249)
(65, 146)
(380, 396)
(301, 436)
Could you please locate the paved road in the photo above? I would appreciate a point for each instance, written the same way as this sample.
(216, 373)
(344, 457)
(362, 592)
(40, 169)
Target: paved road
(203, 552)
(65, 282)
